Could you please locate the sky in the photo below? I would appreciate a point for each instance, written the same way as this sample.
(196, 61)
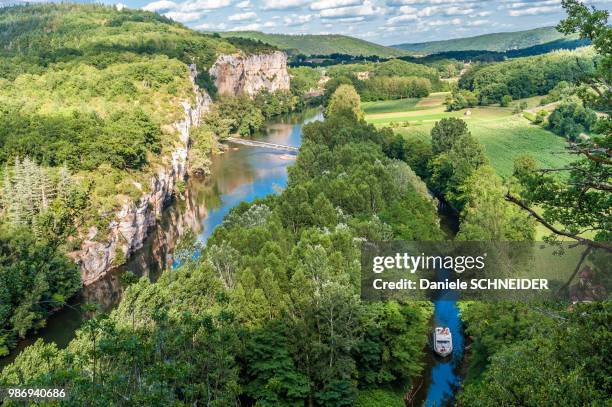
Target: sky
(382, 21)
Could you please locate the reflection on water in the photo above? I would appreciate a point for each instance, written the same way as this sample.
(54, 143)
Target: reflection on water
(445, 374)
(442, 376)
(241, 174)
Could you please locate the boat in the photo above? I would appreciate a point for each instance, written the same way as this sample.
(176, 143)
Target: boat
(442, 341)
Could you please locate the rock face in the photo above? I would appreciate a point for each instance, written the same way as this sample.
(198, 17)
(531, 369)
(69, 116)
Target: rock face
(132, 223)
(236, 74)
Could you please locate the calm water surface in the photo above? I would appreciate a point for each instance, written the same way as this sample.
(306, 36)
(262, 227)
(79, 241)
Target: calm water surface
(240, 174)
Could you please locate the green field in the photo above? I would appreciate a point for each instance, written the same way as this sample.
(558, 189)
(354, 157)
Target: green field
(504, 135)
(389, 106)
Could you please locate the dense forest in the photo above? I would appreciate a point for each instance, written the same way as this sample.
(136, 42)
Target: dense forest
(322, 45)
(499, 42)
(554, 353)
(88, 95)
(394, 79)
(271, 310)
(524, 77)
(268, 312)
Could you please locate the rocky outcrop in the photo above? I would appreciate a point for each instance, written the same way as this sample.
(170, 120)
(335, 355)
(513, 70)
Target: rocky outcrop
(237, 74)
(128, 231)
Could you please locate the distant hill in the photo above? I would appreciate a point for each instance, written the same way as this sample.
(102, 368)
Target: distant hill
(489, 42)
(318, 44)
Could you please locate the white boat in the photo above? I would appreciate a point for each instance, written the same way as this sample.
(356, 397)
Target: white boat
(442, 341)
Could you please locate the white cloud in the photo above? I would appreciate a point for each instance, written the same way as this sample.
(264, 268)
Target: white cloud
(185, 17)
(120, 6)
(244, 4)
(254, 26)
(350, 20)
(458, 11)
(402, 19)
(467, 3)
(211, 27)
(534, 11)
(477, 23)
(439, 23)
(297, 20)
(242, 16)
(193, 5)
(326, 4)
(408, 10)
(160, 5)
(523, 4)
(283, 4)
(366, 9)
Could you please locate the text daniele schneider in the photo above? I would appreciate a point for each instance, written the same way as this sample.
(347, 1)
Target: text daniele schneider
(459, 264)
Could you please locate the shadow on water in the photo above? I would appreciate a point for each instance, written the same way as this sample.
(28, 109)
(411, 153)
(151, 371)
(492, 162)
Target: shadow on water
(240, 174)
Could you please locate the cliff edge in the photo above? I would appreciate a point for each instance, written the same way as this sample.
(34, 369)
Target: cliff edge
(249, 74)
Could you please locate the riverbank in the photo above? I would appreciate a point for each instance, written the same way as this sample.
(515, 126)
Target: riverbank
(239, 174)
(442, 377)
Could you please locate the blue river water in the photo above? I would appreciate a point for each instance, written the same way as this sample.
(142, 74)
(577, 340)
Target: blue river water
(442, 376)
(445, 377)
(267, 168)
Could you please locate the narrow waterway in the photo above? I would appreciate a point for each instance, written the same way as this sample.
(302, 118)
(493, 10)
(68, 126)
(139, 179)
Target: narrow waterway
(442, 376)
(242, 173)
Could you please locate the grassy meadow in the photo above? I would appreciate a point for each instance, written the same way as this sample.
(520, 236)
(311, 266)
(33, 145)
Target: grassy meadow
(504, 135)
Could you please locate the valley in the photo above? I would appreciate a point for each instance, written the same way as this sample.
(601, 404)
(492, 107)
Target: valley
(185, 213)
(504, 134)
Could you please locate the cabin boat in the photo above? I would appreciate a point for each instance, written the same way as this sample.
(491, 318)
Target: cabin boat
(442, 341)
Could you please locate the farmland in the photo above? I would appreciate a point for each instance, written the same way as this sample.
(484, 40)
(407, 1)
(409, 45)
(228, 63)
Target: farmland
(504, 135)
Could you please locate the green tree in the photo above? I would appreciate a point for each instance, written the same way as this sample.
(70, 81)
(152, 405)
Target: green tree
(35, 279)
(505, 101)
(272, 379)
(487, 215)
(458, 155)
(345, 98)
(577, 206)
(445, 134)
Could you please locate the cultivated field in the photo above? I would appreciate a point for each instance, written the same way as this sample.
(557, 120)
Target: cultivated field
(504, 135)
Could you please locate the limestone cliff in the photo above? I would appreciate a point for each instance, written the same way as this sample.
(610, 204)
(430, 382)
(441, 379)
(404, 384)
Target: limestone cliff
(236, 74)
(132, 223)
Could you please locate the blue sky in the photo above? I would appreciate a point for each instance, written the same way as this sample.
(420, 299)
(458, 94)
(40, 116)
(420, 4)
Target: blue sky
(382, 21)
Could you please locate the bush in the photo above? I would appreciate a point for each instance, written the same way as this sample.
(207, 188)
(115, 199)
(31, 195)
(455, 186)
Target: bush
(35, 279)
(570, 119)
(540, 117)
(379, 398)
(461, 99)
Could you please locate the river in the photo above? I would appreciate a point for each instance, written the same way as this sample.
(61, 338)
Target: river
(241, 174)
(442, 377)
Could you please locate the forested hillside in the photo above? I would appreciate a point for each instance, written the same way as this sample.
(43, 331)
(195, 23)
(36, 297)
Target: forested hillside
(270, 312)
(525, 77)
(88, 96)
(393, 79)
(318, 44)
(488, 42)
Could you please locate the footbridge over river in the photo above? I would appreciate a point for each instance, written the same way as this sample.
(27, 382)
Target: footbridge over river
(263, 144)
